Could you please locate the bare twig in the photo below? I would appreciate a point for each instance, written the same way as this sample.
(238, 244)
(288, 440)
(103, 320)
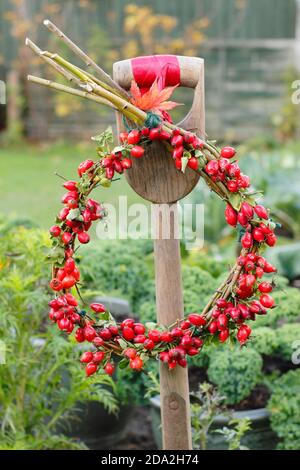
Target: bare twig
(87, 60)
(72, 91)
(69, 76)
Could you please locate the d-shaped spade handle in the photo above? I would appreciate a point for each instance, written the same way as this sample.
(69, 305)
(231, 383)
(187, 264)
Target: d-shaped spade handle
(155, 177)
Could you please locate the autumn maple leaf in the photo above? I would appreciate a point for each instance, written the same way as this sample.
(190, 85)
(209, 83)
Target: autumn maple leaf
(154, 99)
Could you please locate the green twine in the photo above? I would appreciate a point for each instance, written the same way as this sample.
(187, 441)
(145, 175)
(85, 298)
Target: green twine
(152, 120)
(241, 232)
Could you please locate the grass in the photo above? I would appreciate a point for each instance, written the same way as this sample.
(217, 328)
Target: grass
(29, 188)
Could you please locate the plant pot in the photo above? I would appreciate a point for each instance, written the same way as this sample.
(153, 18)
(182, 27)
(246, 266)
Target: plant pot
(96, 427)
(259, 437)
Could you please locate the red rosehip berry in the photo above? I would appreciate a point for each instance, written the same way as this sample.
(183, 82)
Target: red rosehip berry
(90, 369)
(68, 282)
(154, 133)
(89, 333)
(166, 337)
(130, 353)
(97, 341)
(69, 266)
(232, 186)
(123, 136)
(267, 301)
(261, 212)
(139, 329)
(133, 137)
(105, 334)
(128, 322)
(265, 287)
(79, 335)
(222, 321)
(136, 363)
(178, 152)
(55, 231)
(98, 356)
(247, 210)
(55, 284)
(185, 324)
(155, 335)
(228, 152)
(243, 334)
(193, 163)
(212, 168)
(137, 151)
(145, 131)
(178, 163)
(176, 332)
(271, 239)
(109, 368)
(98, 308)
(86, 357)
(243, 181)
(114, 330)
(148, 344)
(70, 299)
(70, 185)
(186, 341)
(258, 235)
(126, 163)
(223, 335)
(197, 320)
(128, 333)
(247, 240)
(66, 237)
(83, 237)
(230, 215)
(213, 327)
(84, 166)
(139, 339)
(192, 351)
(177, 140)
(164, 356)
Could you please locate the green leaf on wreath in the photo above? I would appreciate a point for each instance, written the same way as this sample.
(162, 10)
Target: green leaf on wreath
(74, 214)
(123, 363)
(184, 162)
(104, 139)
(122, 343)
(235, 200)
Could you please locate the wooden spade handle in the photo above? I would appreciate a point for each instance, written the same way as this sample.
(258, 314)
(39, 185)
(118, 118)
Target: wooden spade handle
(155, 178)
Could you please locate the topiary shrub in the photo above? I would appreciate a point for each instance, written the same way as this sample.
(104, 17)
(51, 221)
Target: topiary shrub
(119, 269)
(263, 340)
(284, 406)
(235, 372)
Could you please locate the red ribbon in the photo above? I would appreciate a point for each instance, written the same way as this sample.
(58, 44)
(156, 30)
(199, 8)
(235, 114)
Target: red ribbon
(163, 67)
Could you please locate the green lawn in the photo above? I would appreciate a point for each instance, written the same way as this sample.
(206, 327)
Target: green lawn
(29, 187)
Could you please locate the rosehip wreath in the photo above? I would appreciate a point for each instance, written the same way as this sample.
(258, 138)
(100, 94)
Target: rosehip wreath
(241, 296)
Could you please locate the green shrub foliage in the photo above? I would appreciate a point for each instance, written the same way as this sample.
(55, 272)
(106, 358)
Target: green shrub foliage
(41, 379)
(235, 371)
(284, 406)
